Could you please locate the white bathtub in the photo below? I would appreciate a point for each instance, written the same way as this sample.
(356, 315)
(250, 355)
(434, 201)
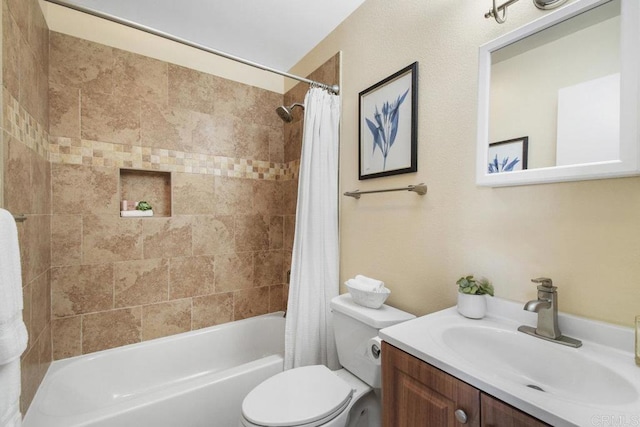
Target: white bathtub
(195, 379)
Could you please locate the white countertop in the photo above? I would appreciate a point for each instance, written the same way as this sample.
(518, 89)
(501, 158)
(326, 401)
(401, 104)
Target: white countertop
(607, 394)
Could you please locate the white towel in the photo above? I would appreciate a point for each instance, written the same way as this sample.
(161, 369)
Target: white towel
(364, 283)
(375, 284)
(10, 394)
(13, 333)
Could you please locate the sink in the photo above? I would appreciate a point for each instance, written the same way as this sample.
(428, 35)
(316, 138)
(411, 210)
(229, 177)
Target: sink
(539, 365)
(560, 385)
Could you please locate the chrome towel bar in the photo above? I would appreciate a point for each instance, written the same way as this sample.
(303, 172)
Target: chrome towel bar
(421, 189)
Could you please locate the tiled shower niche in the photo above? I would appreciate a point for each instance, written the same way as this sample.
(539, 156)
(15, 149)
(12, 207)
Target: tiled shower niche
(153, 187)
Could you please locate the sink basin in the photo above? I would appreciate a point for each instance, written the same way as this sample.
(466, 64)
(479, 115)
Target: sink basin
(543, 366)
(560, 385)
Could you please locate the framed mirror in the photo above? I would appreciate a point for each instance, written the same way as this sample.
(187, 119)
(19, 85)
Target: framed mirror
(568, 85)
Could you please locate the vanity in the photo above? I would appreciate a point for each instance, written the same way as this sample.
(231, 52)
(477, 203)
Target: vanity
(443, 369)
(419, 394)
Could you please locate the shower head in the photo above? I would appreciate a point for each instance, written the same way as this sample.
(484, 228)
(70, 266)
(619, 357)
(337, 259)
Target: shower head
(286, 113)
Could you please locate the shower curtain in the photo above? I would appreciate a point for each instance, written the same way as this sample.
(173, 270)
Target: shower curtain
(309, 336)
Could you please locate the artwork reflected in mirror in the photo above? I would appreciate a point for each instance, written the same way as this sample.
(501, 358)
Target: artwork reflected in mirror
(508, 156)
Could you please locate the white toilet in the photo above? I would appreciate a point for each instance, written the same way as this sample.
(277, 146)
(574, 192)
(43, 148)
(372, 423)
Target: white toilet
(316, 396)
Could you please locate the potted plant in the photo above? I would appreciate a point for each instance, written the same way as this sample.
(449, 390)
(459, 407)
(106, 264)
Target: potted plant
(472, 302)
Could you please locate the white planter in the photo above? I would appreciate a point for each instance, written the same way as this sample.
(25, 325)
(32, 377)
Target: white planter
(472, 306)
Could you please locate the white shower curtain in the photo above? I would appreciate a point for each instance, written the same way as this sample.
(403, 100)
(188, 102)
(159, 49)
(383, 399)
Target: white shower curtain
(309, 336)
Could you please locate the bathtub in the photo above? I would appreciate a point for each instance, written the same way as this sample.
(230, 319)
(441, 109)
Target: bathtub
(194, 379)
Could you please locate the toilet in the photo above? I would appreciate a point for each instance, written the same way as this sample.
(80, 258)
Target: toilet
(312, 396)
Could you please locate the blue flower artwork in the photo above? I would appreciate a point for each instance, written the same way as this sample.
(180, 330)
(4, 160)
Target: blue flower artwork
(502, 166)
(388, 117)
(508, 156)
(384, 127)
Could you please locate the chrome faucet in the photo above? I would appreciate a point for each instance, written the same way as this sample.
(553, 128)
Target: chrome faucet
(547, 308)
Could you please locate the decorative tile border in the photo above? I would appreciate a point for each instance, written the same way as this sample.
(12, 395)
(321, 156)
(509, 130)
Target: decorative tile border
(95, 153)
(23, 127)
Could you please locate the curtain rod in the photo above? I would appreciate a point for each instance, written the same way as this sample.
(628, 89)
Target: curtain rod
(333, 88)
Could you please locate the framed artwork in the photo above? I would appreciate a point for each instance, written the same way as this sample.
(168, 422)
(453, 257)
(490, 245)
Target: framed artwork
(388, 116)
(508, 156)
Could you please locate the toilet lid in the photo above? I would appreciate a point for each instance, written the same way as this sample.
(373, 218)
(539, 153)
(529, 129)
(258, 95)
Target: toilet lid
(297, 397)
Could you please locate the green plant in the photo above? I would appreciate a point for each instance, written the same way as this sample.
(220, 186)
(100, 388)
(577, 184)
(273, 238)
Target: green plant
(143, 206)
(472, 286)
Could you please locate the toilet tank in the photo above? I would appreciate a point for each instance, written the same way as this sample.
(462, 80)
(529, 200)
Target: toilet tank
(353, 327)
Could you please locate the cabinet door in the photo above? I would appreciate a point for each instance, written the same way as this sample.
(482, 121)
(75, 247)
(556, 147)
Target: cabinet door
(496, 413)
(415, 394)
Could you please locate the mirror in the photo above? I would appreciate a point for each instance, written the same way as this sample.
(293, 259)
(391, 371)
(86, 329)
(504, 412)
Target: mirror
(558, 98)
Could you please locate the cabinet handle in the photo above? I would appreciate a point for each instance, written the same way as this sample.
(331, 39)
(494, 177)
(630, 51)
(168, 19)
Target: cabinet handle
(461, 416)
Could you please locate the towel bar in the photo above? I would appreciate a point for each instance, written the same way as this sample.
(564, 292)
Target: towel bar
(421, 189)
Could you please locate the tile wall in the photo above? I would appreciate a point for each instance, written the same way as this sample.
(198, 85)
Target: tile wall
(74, 114)
(219, 256)
(26, 173)
(223, 252)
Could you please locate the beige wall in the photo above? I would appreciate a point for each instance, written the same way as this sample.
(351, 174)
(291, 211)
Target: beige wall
(584, 235)
(26, 180)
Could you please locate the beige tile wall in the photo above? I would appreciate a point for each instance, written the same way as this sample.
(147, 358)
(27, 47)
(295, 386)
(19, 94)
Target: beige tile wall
(90, 110)
(26, 173)
(221, 256)
(212, 261)
(224, 251)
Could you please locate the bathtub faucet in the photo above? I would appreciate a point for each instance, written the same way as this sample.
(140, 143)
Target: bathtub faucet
(547, 308)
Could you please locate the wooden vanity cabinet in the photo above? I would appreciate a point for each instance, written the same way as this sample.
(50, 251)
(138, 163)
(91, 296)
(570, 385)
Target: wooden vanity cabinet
(495, 413)
(416, 394)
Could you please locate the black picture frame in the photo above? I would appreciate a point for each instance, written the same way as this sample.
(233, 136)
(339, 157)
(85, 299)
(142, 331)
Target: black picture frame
(388, 118)
(500, 156)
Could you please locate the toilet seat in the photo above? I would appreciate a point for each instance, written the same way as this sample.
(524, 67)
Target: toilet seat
(308, 396)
